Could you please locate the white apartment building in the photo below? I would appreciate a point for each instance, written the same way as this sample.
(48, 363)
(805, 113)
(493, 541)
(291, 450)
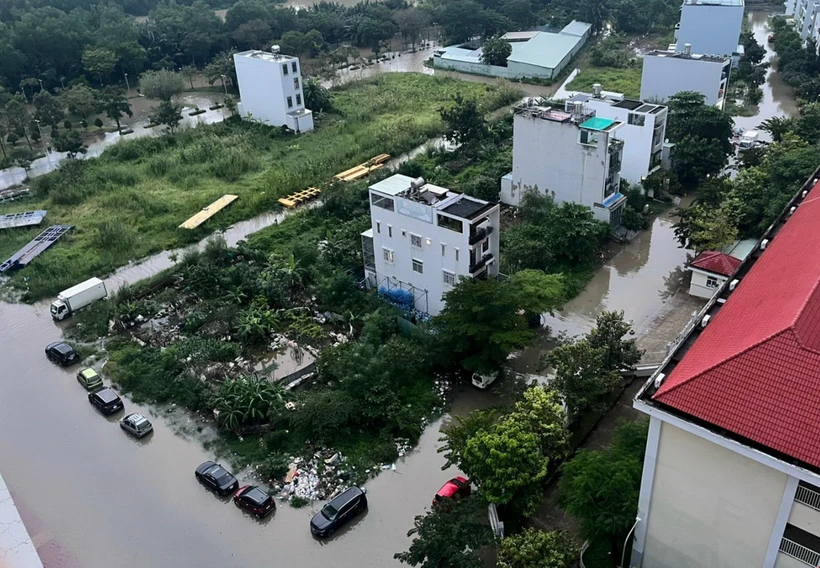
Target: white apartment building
(666, 73)
(425, 238)
(568, 155)
(643, 129)
(710, 26)
(731, 476)
(806, 15)
(270, 89)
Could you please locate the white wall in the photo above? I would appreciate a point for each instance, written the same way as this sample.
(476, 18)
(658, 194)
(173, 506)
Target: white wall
(264, 88)
(663, 77)
(709, 506)
(513, 71)
(548, 157)
(638, 147)
(698, 287)
(711, 29)
(434, 262)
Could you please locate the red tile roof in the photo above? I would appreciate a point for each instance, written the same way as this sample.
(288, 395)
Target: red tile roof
(717, 262)
(755, 370)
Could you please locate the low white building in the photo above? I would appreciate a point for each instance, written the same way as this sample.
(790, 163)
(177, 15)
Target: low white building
(643, 129)
(570, 156)
(710, 269)
(270, 89)
(711, 26)
(806, 15)
(666, 73)
(425, 238)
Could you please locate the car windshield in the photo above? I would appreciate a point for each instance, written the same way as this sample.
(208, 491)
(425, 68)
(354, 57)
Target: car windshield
(217, 473)
(329, 512)
(64, 349)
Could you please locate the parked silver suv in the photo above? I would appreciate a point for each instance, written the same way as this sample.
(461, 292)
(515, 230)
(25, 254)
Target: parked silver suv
(136, 424)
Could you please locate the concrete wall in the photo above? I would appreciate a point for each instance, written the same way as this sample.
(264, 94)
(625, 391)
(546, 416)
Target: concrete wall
(663, 77)
(709, 506)
(514, 71)
(638, 140)
(698, 287)
(454, 258)
(711, 29)
(16, 547)
(264, 88)
(548, 157)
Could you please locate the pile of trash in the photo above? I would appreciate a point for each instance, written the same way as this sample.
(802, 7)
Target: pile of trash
(319, 478)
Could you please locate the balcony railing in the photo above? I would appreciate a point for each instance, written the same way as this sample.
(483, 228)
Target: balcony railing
(480, 235)
(481, 263)
(800, 552)
(808, 497)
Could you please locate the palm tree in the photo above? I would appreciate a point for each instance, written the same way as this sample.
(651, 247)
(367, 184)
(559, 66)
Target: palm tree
(596, 12)
(777, 126)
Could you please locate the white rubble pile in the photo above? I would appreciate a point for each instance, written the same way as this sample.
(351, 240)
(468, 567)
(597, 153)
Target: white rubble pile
(316, 479)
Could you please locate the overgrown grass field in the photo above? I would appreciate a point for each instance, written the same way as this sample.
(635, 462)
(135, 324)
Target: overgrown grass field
(129, 202)
(619, 80)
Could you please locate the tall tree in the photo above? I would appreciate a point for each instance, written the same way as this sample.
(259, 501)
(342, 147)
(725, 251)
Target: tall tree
(48, 109)
(71, 143)
(99, 62)
(115, 105)
(167, 113)
(465, 123)
(80, 100)
(317, 97)
(495, 51)
(18, 118)
(161, 85)
(412, 23)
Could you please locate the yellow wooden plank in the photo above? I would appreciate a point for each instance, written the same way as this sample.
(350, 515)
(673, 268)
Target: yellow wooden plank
(287, 202)
(380, 159)
(209, 211)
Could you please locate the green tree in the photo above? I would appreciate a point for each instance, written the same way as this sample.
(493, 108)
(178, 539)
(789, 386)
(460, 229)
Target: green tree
(161, 85)
(113, 102)
(538, 549)
(80, 100)
(189, 72)
(540, 411)
(465, 123)
(71, 143)
(449, 537)
(608, 335)
(456, 434)
(247, 400)
(507, 466)
(254, 34)
(18, 118)
(99, 62)
(317, 97)
(495, 51)
(601, 488)
(412, 22)
(777, 126)
(538, 292)
(47, 109)
(167, 113)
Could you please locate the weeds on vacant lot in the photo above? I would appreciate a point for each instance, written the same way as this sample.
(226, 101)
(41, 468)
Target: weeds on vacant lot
(129, 202)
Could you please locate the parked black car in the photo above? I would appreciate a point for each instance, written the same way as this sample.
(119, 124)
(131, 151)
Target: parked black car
(217, 478)
(62, 353)
(253, 499)
(339, 511)
(106, 400)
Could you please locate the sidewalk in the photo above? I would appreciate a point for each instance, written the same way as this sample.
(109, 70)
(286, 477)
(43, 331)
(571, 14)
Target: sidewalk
(16, 548)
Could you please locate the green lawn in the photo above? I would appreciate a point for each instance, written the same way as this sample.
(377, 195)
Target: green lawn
(619, 80)
(128, 203)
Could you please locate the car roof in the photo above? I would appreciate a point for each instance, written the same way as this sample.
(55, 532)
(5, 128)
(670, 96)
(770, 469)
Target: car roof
(89, 373)
(449, 489)
(136, 418)
(346, 496)
(256, 495)
(106, 394)
(62, 347)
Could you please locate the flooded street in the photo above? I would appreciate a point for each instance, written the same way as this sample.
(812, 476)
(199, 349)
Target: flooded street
(639, 279)
(778, 98)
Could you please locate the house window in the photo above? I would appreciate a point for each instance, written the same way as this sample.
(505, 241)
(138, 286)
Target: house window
(298, 99)
(443, 249)
(296, 83)
(390, 231)
(712, 282)
(293, 66)
(290, 102)
(388, 255)
(449, 278)
(285, 69)
(485, 246)
(588, 137)
(378, 227)
(456, 255)
(418, 266)
(381, 202)
(636, 119)
(415, 240)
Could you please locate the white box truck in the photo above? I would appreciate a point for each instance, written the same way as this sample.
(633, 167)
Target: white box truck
(77, 297)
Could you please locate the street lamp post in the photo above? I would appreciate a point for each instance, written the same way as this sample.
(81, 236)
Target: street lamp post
(224, 85)
(41, 84)
(127, 86)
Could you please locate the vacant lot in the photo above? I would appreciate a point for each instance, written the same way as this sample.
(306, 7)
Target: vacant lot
(619, 80)
(129, 202)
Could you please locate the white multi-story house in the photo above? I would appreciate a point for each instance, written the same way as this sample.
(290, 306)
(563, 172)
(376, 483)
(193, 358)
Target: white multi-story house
(806, 15)
(710, 26)
(425, 238)
(643, 129)
(666, 73)
(568, 155)
(270, 89)
(731, 476)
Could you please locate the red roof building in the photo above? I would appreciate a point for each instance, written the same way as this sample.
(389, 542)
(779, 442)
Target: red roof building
(716, 262)
(731, 476)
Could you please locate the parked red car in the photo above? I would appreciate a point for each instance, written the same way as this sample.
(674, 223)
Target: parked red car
(253, 499)
(456, 488)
